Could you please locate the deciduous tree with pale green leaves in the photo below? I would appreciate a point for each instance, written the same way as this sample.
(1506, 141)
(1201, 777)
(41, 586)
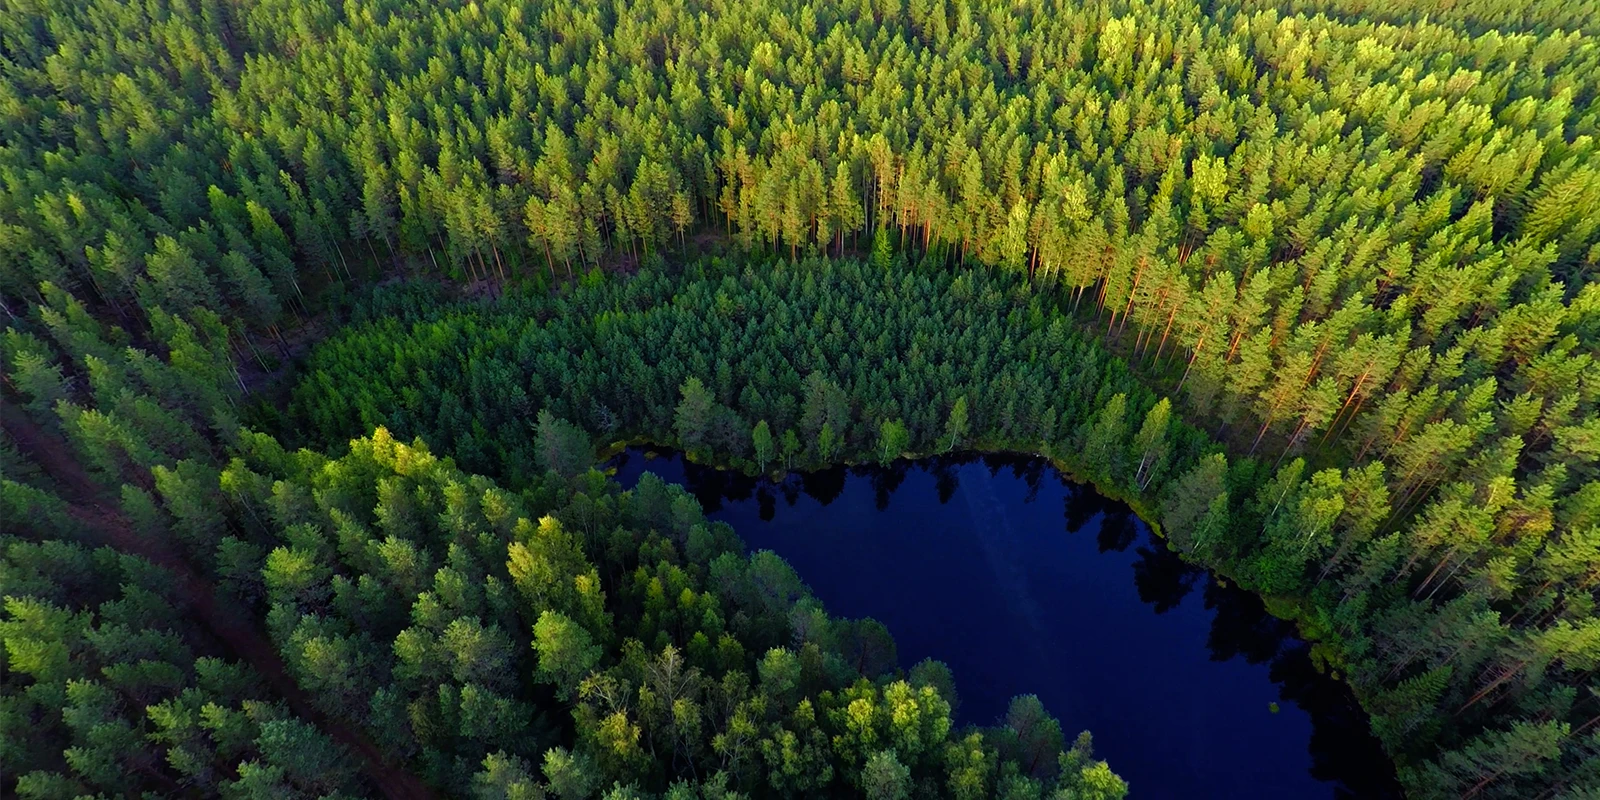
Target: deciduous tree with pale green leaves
(761, 438)
(893, 440)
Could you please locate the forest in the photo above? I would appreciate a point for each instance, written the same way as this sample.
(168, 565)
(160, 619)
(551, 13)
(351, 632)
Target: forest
(319, 319)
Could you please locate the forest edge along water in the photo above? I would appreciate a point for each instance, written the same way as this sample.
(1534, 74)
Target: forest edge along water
(1189, 686)
(1374, 543)
(1313, 285)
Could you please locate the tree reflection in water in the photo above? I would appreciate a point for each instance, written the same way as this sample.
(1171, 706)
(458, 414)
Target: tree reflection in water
(1343, 753)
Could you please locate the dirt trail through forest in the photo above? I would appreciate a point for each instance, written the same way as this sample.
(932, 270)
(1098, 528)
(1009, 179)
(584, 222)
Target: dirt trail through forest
(227, 623)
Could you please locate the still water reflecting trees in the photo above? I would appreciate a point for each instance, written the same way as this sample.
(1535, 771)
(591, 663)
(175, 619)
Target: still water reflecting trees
(965, 560)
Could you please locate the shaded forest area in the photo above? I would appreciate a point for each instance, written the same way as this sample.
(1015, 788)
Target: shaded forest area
(1355, 244)
(422, 612)
(814, 363)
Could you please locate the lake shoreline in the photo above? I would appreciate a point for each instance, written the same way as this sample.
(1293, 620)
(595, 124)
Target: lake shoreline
(740, 483)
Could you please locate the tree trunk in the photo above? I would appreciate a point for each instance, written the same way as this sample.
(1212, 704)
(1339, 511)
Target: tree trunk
(1495, 684)
(1194, 354)
(1132, 293)
(498, 264)
(1164, 331)
(1262, 433)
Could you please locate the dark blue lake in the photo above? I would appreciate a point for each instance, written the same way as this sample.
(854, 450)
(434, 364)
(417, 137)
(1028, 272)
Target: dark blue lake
(1025, 583)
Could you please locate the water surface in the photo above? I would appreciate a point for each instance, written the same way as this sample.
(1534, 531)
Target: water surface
(1026, 583)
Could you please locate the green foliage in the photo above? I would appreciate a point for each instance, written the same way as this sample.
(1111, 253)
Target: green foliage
(1284, 532)
(893, 440)
(566, 652)
(562, 447)
(885, 778)
(1367, 232)
(958, 425)
(761, 438)
(104, 674)
(424, 605)
(694, 412)
(1012, 379)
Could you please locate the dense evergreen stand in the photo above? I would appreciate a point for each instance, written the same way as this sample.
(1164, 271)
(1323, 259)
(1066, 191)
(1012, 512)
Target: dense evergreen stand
(1355, 244)
(932, 361)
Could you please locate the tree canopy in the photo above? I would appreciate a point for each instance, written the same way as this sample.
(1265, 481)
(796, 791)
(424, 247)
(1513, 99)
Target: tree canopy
(1311, 282)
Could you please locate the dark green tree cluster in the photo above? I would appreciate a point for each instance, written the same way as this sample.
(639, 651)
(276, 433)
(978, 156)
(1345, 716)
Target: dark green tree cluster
(621, 646)
(1356, 240)
(425, 605)
(831, 359)
(1462, 610)
(129, 406)
(109, 689)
